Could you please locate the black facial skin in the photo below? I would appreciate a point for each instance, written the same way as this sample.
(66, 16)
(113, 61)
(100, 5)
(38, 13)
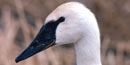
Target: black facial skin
(44, 39)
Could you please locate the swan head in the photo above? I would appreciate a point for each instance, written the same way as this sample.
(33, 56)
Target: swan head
(66, 24)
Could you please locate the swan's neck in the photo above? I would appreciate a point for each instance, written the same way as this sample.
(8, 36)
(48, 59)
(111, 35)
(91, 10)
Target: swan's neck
(88, 51)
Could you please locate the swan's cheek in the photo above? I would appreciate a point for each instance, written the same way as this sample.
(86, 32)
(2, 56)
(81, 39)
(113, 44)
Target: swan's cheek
(62, 38)
(66, 34)
(65, 37)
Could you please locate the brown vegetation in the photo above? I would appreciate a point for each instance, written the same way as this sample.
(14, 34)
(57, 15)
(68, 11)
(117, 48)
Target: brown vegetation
(20, 20)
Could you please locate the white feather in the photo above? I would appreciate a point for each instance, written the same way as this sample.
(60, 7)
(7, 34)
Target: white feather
(80, 28)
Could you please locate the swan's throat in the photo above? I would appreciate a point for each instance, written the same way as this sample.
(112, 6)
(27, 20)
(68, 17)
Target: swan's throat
(88, 52)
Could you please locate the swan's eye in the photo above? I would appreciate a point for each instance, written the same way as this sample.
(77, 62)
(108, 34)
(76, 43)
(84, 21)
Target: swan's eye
(61, 19)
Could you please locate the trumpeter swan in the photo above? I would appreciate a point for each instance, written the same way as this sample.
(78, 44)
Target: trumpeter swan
(73, 23)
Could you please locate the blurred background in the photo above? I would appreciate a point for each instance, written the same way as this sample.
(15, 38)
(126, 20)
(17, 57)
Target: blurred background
(20, 21)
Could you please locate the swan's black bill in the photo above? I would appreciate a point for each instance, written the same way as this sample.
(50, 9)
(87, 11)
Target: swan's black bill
(45, 39)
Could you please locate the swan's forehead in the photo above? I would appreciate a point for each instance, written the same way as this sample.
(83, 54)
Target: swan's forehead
(68, 10)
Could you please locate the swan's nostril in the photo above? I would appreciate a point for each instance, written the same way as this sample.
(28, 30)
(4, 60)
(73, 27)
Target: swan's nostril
(37, 41)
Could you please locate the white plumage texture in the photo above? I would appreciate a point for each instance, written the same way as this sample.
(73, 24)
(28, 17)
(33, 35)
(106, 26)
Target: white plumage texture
(80, 28)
